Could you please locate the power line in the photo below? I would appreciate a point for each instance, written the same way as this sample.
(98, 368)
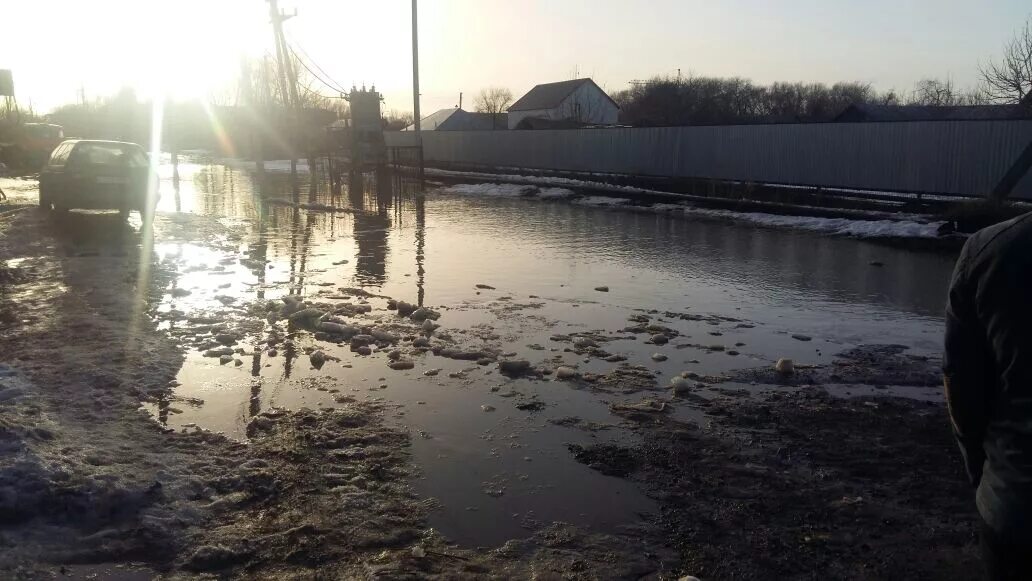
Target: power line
(314, 74)
(336, 85)
(333, 84)
(317, 93)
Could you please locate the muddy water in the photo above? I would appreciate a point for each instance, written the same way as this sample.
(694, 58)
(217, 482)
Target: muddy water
(501, 473)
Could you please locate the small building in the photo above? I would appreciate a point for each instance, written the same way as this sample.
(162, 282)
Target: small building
(366, 131)
(860, 113)
(579, 101)
(455, 119)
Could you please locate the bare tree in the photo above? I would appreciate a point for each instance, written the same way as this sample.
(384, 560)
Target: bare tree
(395, 121)
(935, 92)
(493, 100)
(1009, 80)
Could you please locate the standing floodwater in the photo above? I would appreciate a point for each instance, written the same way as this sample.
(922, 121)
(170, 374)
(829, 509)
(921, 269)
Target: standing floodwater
(514, 274)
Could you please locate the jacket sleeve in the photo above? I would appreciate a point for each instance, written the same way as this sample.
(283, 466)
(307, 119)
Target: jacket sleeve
(966, 366)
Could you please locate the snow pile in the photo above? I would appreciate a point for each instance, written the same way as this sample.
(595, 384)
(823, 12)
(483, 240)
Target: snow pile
(601, 201)
(840, 226)
(489, 189)
(508, 191)
(538, 180)
(904, 226)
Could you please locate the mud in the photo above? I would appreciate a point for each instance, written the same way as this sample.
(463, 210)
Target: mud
(779, 489)
(876, 365)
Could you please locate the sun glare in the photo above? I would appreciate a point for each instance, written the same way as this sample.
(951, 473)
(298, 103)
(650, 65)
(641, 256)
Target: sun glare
(184, 50)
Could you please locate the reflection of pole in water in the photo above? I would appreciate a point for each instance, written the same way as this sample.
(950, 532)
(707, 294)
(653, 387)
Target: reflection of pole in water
(259, 251)
(312, 176)
(289, 355)
(305, 242)
(295, 188)
(295, 218)
(175, 180)
(163, 406)
(420, 247)
(254, 404)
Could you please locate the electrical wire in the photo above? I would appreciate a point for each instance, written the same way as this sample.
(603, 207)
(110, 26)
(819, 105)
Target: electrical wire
(332, 84)
(318, 78)
(316, 93)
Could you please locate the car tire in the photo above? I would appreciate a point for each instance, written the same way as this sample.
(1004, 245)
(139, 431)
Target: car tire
(147, 212)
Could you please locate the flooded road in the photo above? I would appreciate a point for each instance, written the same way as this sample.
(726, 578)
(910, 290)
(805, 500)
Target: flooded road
(514, 274)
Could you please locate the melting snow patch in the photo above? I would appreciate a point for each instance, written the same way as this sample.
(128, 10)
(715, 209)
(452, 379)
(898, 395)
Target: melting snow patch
(499, 190)
(908, 226)
(554, 193)
(841, 226)
(601, 201)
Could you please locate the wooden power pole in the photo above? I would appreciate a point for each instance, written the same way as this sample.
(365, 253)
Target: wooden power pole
(277, 18)
(415, 87)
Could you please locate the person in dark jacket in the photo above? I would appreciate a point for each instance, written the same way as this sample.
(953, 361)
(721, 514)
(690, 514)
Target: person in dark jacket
(987, 366)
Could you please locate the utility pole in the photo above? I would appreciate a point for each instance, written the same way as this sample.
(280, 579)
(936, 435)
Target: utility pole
(460, 100)
(277, 18)
(415, 87)
(250, 95)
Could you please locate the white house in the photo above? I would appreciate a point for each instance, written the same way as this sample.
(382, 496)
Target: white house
(576, 102)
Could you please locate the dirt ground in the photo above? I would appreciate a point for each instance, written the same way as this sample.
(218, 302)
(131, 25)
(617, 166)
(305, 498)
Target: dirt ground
(791, 484)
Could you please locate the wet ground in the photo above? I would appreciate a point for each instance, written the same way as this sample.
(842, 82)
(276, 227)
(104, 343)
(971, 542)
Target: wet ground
(289, 301)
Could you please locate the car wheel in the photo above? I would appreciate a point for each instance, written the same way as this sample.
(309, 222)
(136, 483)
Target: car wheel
(147, 212)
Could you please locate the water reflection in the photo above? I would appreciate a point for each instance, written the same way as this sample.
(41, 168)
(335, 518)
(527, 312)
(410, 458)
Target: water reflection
(435, 248)
(539, 244)
(371, 231)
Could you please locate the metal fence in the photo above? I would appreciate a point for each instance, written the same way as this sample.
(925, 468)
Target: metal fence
(941, 157)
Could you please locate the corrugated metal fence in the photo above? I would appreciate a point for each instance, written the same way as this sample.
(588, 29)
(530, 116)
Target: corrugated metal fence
(943, 157)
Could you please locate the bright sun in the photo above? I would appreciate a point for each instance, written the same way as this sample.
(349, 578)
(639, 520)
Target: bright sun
(179, 50)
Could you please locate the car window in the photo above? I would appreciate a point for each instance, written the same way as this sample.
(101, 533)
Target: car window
(60, 155)
(101, 154)
(137, 158)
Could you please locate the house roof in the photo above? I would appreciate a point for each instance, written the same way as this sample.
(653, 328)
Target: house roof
(434, 120)
(485, 121)
(551, 95)
(863, 112)
(455, 119)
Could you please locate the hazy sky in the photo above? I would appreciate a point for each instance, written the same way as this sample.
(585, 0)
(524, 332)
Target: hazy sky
(190, 48)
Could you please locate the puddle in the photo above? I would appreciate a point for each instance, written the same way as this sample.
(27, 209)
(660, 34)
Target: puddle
(732, 295)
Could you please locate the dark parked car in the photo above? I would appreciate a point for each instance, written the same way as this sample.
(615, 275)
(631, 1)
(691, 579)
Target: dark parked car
(98, 175)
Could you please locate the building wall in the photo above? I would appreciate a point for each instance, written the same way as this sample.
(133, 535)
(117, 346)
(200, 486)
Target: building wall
(587, 104)
(516, 116)
(943, 157)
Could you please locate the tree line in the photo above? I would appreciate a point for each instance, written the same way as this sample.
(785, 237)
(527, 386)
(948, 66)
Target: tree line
(700, 100)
